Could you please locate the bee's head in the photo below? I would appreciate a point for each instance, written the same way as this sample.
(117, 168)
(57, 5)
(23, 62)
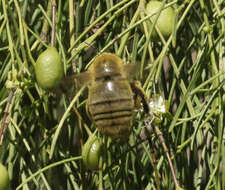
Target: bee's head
(106, 64)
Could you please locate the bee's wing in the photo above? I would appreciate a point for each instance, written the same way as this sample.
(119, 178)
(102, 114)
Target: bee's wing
(75, 82)
(131, 71)
(81, 78)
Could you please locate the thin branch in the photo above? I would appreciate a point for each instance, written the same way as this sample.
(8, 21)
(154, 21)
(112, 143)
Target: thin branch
(5, 121)
(53, 22)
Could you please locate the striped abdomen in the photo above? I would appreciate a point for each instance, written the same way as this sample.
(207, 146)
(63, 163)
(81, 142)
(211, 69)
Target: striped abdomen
(110, 105)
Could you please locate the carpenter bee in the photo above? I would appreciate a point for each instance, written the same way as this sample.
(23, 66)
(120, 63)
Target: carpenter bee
(111, 96)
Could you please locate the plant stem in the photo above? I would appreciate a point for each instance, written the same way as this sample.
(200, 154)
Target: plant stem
(46, 168)
(53, 22)
(72, 29)
(5, 120)
(45, 27)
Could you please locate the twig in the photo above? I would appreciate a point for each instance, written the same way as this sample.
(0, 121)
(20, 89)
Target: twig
(45, 26)
(165, 149)
(81, 119)
(152, 150)
(5, 121)
(160, 136)
(72, 29)
(53, 22)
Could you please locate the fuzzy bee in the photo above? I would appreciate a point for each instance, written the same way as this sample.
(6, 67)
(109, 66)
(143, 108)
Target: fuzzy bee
(110, 94)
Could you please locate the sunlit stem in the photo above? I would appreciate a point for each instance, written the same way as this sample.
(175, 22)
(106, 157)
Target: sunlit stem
(53, 22)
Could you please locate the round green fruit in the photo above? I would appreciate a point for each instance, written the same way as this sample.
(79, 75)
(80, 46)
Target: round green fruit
(49, 69)
(4, 178)
(165, 21)
(91, 153)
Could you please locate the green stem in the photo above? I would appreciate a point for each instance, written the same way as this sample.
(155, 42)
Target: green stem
(46, 168)
(125, 37)
(95, 22)
(53, 22)
(56, 135)
(72, 29)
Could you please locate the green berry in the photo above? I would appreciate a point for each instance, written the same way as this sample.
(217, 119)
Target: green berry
(165, 21)
(4, 178)
(91, 152)
(49, 69)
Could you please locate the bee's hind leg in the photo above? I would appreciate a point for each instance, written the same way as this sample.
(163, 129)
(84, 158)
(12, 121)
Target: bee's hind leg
(139, 93)
(88, 111)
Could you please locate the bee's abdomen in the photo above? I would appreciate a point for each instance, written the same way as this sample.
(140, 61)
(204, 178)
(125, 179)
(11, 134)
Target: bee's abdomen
(112, 117)
(110, 105)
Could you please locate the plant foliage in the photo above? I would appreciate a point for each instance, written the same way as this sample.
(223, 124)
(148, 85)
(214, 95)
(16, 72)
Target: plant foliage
(45, 130)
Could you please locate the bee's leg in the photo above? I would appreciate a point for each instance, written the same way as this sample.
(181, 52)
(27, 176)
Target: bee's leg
(139, 92)
(87, 110)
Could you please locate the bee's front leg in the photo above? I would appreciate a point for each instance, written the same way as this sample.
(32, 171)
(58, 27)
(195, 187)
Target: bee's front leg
(139, 93)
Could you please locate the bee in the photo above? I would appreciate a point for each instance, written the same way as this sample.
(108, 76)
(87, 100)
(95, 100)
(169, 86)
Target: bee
(111, 97)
